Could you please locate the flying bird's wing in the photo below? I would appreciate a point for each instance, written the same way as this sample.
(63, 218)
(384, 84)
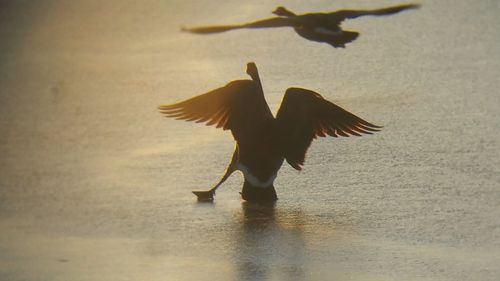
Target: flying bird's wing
(231, 107)
(341, 15)
(305, 115)
(266, 23)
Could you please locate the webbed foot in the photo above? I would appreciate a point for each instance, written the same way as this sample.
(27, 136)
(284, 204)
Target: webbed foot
(204, 195)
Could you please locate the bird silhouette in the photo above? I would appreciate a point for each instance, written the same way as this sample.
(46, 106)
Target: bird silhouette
(319, 27)
(263, 142)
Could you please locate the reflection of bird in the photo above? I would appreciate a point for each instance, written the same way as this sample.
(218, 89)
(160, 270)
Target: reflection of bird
(263, 141)
(320, 27)
(262, 225)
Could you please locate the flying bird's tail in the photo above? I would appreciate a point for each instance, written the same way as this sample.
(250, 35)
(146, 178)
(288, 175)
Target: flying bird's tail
(339, 41)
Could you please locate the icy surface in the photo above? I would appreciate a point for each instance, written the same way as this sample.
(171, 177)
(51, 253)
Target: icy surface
(95, 184)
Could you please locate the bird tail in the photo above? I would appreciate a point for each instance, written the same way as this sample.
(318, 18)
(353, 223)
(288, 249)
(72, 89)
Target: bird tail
(339, 41)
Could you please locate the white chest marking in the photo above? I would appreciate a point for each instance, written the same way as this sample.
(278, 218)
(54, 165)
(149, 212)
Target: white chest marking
(253, 180)
(323, 30)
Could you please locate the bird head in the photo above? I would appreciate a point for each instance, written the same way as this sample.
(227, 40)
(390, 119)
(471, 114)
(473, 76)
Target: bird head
(252, 71)
(283, 12)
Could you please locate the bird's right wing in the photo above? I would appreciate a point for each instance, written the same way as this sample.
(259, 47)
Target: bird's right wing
(229, 107)
(305, 115)
(341, 15)
(266, 23)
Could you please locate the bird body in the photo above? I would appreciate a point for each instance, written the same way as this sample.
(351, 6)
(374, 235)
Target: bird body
(318, 27)
(264, 142)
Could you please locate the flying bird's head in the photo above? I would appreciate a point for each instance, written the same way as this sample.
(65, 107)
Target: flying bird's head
(283, 12)
(252, 71)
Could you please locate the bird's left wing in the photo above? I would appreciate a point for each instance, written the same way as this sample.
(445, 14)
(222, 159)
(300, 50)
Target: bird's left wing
(305, 115)
(232, 107)
(265, 23)
(341, 15)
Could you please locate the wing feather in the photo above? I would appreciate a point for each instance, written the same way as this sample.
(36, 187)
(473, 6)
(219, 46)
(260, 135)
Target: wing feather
(305, 115)
(265, 23)
(341, 15)
(227, 107)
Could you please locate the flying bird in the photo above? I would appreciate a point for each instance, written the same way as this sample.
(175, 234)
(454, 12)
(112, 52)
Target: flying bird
(263, 141)
(319, 27)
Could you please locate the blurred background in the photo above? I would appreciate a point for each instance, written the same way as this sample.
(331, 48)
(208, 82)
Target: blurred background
(96, 185)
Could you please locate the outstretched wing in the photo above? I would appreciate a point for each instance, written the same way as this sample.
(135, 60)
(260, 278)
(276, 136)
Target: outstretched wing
(231, 107)
(341, 15)
(266, 23)
(305, 115)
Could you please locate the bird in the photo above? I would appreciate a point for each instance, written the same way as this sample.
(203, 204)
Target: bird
(263, 141)
(318, 27)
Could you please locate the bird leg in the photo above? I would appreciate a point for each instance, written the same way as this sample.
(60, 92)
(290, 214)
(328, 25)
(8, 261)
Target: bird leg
(209, 194)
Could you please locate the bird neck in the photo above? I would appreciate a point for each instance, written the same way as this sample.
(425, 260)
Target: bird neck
(287, 13)
(257, 79)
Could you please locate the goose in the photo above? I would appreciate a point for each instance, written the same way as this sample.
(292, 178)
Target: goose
(318, 27)
(263, 141)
